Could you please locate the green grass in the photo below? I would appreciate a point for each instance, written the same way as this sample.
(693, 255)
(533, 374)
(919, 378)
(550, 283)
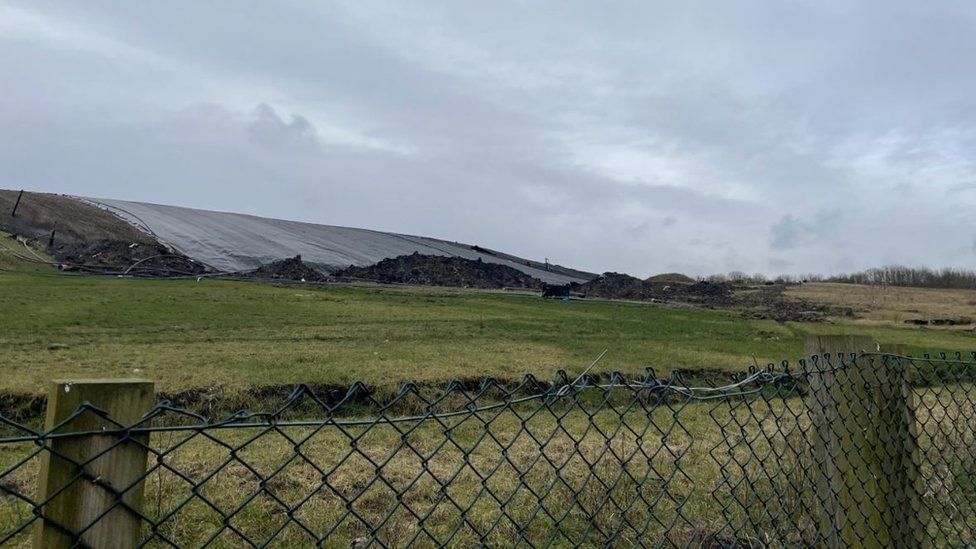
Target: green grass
(637, 468)
(186, 334)
(651, 469)
(11, 248)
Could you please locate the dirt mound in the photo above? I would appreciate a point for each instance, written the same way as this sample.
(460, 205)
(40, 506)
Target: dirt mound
(122, 257)
(73, 221)
(614, 286)
(622, 286)
(711, 293)
(435, 270)
(87, 238)
(290, 269)
(670, 278)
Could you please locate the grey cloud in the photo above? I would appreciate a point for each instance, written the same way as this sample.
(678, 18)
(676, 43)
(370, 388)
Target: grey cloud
(779, 265)
(795, 136)
(641, 229)
(267, 128)
(788, 233)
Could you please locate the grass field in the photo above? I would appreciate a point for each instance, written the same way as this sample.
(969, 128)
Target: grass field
(187, 334)
(10, 249)
(892, 305)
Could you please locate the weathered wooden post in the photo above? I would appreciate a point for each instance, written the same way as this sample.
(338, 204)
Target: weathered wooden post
(897, 408)
(864, 442)
(92, 479)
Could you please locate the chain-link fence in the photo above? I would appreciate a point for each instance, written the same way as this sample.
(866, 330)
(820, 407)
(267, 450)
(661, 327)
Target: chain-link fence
(836, 450)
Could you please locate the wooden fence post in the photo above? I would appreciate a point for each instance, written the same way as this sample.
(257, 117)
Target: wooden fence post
(897, 408)
(84, 496)
(864, 444)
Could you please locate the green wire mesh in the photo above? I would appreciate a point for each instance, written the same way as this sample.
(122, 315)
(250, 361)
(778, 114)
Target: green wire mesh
(777, 457)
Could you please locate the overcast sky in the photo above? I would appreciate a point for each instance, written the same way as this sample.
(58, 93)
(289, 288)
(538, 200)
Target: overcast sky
(775, 137)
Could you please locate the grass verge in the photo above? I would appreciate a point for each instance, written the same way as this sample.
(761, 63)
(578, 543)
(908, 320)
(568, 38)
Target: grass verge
(188, 335)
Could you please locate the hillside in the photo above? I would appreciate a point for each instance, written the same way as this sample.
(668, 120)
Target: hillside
(238, 242)
(80, 236)
(118, 233)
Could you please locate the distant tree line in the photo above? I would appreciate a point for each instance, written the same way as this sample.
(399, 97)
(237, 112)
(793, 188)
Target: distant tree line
(739, 277)
(917, 277)
(893, 275)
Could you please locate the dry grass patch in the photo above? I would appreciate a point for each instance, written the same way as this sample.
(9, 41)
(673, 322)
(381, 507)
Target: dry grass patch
(891, 304)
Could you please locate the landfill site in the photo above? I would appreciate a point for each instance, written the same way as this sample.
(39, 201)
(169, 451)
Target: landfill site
(125, 238)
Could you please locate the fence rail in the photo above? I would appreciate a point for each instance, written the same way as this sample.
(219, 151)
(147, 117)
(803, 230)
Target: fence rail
(870, 448)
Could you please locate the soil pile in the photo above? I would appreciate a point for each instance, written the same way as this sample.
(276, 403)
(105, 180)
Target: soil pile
(704, 292)
(290, 269)
(671, 278)
(614, 286)
(435, 270)
(120, 257)
(622, 286)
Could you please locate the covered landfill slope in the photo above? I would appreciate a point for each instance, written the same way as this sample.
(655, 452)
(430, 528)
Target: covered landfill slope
(236, 242)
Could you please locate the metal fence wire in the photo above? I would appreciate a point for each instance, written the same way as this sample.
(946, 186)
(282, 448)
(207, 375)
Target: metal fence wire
(836, 450)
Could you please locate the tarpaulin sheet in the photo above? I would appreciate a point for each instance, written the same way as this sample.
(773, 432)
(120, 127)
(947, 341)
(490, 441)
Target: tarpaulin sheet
(239, 242)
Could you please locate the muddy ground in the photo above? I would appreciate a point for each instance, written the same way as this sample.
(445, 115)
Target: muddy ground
(770, 302)
(435, 270)
(767, 301)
